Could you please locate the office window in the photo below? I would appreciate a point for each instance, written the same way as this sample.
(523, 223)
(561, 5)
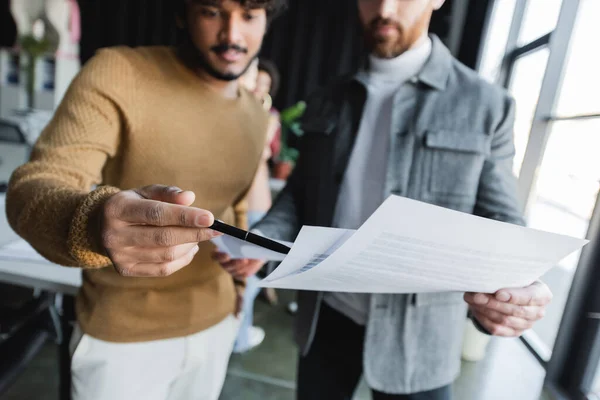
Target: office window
(563, 202)
(580, 97)
(559, 178)
(540, 18)
(580, 92)
(496, 38)
(525, 85)
(568, 179)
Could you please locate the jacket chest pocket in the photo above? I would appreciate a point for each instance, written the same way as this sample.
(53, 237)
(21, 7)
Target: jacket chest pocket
(454, 161)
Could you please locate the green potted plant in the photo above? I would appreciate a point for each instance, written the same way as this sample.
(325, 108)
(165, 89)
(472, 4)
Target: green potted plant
(34, 46)
(290, 125)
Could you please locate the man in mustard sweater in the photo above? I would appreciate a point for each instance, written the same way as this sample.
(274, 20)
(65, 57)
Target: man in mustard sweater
(155, 315)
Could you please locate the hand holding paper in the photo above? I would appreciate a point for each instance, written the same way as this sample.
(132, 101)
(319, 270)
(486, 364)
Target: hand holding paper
(243, 259)
(509, 312)
(239, 268)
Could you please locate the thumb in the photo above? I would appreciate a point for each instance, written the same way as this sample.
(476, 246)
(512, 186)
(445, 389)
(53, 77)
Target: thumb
(167, 194)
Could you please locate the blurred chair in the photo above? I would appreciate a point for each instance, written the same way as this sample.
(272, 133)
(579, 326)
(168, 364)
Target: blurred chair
(26, 323)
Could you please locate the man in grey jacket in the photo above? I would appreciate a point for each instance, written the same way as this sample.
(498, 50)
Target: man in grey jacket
(415, 123)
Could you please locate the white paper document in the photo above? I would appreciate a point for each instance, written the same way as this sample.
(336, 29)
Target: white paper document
(408, 246)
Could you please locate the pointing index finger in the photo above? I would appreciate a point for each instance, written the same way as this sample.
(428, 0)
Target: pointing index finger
(156, 213)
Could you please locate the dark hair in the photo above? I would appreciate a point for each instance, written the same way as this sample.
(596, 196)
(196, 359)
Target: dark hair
(270, 68)
(273, 7)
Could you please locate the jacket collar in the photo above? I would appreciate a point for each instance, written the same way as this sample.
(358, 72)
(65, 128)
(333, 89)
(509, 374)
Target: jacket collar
(436, 70)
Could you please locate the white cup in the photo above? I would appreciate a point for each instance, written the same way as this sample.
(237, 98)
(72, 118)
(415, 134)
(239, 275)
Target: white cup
(474, 343)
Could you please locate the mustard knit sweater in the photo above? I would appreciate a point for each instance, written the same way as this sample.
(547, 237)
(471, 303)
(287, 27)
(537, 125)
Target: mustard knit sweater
(135, 117)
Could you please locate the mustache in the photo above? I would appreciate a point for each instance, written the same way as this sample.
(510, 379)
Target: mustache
(378, 22)
(222, 48)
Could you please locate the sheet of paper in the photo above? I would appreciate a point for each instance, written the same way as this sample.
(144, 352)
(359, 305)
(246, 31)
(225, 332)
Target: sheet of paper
(317, 245)
(408, 246)
(237, 248)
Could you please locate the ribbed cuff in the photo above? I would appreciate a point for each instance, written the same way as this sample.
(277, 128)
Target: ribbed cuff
(84, 241)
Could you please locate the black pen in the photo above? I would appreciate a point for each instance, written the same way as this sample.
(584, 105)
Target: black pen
(249, 237)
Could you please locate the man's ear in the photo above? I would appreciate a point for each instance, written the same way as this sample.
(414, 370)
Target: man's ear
(437, 4)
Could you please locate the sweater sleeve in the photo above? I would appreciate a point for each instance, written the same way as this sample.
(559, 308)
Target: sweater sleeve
(50, 201)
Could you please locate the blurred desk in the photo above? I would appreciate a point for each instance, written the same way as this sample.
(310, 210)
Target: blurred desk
(31, 122)
(21, 265)
(36, 274)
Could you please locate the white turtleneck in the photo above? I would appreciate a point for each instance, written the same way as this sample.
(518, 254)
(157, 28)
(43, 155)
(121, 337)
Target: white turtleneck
(362, 189)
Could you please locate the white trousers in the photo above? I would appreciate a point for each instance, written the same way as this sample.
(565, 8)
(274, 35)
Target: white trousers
(191, 367)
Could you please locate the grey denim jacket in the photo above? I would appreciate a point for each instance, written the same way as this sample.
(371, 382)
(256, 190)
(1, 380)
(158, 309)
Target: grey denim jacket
(452, 146)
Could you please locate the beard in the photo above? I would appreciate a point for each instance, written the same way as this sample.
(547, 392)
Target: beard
(390, 46)
(197, 59)
(381, 46)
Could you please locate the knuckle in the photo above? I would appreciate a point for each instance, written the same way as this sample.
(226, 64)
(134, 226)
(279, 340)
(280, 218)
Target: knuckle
(169, 255)
(492, 315)
(124, 270)
(203, 235)
(530, 299)
(183, 219)
(163, 237)
(497, 319)
(492, 307)
(154, 214)
(164, 270)
(493, 304)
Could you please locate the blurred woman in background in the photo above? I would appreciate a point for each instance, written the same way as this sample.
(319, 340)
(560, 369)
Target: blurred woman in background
(262, 79)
